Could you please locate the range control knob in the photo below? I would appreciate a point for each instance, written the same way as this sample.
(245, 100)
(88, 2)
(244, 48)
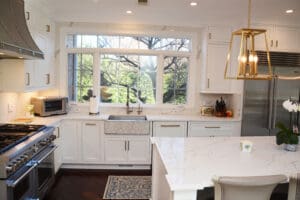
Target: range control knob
(43, 142)
(52, 137)
(9, 168)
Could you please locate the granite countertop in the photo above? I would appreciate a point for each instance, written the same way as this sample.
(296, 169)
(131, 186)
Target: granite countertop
(191, 163)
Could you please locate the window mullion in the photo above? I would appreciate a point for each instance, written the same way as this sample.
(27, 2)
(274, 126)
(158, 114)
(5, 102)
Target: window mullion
(159, 80)
(96, 73)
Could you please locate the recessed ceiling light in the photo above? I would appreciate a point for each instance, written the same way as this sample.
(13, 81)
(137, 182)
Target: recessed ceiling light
(21, 57)
(289, 11)
(129, 12)
(193, 3)
(1, 53)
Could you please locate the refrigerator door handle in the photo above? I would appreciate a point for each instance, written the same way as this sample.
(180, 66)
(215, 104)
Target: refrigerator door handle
(270, 111)
(275, 102)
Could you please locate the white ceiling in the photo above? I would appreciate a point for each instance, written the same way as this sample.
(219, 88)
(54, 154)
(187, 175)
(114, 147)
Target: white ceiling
(174, 12)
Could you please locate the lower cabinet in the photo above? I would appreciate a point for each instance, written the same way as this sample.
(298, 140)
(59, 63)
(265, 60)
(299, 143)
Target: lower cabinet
(91, 138)
(81, 141)
(205, 129)
(127, 149)
(57, 152)
(70, 142)
(170, 129)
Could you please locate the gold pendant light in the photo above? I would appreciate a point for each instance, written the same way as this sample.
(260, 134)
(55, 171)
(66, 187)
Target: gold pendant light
(247, 59)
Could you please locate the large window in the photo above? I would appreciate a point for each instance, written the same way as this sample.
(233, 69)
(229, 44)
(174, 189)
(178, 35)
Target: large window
(154, 72)
(135, 74)
(80, 73)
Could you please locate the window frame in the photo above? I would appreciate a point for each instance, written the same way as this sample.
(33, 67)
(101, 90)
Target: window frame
(191, 88)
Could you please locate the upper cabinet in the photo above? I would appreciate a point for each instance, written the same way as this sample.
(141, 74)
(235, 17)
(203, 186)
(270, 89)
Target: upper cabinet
(215, 46)
(32, 75)
(280, 38)
(218, 34)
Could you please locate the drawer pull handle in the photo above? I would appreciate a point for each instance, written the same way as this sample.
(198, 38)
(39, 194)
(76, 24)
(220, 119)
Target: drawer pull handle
(90, 124)
(169, 126)
(212, 127)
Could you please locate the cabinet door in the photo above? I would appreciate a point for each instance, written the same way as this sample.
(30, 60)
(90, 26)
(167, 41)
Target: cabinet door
(57, 152)
(70, 139)
(91, 141)
(115, 150)
(29, 75)
(138, 148)
(287, 39)
(205, 129)
(216, 61)
(219, 34)
(169, 129)
(260, 39)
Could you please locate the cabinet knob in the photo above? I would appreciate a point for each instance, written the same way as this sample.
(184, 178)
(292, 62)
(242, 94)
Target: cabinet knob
(27, 15)
(90, 124)
(212, 127)
(47, 79)
(271, 43)
(169, 125)
(48, 29)
(27, 78)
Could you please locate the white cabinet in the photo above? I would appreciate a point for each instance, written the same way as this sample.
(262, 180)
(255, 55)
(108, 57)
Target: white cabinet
(91, 137)
(58, 151)
(219, 34)
(82, 141)
(70, 141)
(205, 129)
(127, 149)
(139, 149)
(214, 50)
(280, 38)
(216, 60)
(115, 149)
(37, 74)
(169, 129)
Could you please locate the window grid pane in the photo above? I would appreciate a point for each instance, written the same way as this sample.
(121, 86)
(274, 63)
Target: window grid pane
(175, 80)
(128, 42)
(80, 76)
(135, 72)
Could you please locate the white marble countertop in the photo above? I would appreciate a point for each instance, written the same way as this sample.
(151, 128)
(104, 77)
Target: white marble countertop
(53, 120)
(192, 162)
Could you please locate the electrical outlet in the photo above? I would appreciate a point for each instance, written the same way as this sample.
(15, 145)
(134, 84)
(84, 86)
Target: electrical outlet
(11, 108)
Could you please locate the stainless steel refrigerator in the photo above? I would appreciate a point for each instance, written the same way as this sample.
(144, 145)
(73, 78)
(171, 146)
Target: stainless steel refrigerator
(262, 107)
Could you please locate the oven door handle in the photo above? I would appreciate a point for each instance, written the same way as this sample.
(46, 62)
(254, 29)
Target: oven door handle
(13, 183)
(53, 147)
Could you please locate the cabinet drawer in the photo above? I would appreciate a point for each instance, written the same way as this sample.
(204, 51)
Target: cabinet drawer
(169, 129)
(205, 129)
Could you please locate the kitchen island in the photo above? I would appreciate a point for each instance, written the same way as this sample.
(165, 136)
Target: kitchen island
(181, 166)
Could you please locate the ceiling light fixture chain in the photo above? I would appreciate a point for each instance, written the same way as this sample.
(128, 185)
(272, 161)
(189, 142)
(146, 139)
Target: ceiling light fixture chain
(249, 13)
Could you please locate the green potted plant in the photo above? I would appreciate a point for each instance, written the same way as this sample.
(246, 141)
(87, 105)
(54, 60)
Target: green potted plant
(286, 136)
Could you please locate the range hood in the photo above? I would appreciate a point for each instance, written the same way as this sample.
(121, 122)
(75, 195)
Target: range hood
(15, 38)
(286, 65)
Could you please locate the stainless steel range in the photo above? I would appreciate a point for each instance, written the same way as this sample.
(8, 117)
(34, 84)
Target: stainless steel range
(26, 161)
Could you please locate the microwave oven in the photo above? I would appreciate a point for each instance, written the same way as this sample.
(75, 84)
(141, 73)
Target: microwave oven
(47, 106)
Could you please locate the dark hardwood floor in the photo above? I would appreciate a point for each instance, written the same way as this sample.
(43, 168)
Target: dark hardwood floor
(85, 184)
(90, 185)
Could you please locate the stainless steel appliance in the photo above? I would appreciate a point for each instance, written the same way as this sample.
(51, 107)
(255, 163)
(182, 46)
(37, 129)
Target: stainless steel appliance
(47, 106)
(263, 99)
(26, 161)
(15, 38)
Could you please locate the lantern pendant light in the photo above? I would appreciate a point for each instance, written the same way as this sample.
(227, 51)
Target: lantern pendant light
(247, 59)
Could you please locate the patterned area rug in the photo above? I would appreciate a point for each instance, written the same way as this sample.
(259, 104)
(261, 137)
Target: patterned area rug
(128, 187)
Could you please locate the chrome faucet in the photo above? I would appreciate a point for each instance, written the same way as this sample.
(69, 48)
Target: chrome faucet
(128, 109)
